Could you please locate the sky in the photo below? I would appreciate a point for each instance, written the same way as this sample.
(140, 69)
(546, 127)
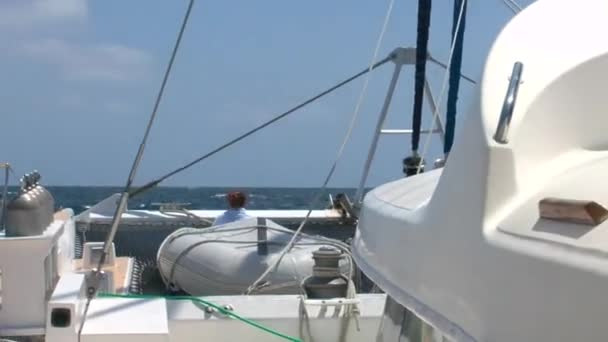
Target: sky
(79, 79)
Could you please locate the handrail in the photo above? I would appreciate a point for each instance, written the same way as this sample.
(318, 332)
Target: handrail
(502, 130)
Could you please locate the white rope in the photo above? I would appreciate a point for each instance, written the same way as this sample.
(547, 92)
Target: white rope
(515, 4)
(427, 141)
(338, 156)
(510, 6)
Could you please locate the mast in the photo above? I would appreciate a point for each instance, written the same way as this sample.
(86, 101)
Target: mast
(455, 67)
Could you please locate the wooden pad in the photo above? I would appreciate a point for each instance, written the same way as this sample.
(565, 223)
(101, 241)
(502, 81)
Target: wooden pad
(574, 211)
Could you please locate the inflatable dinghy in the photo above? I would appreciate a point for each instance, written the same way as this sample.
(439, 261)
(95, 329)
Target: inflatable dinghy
(227, 259)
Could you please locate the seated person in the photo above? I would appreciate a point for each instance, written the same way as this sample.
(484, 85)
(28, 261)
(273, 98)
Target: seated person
(236, 201)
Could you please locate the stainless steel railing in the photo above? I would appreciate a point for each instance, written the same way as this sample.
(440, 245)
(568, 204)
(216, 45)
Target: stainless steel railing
(502, 130)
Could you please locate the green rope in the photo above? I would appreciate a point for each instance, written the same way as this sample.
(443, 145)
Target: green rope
(206, 303)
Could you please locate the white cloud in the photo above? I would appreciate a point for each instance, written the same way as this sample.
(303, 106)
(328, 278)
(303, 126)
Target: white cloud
(27, 15)
(47, 32)
(90, 62)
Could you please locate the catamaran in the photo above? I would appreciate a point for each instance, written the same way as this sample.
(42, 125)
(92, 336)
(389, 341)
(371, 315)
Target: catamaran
(504, 241)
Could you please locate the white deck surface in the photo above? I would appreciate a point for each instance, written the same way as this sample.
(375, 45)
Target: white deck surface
(417, 192)
(127, 318)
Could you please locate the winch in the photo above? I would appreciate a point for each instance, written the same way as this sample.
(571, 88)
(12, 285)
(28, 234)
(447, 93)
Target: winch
(327, 280)
(411, 165)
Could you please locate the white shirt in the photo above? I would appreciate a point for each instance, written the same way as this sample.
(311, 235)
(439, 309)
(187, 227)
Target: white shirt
(231, 215)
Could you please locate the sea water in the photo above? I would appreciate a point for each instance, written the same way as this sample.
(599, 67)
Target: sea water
(80, 198)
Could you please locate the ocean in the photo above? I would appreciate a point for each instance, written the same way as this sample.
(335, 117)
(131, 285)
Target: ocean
(79, 198)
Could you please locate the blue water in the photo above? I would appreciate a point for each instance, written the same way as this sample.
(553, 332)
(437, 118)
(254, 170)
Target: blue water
(80, 197)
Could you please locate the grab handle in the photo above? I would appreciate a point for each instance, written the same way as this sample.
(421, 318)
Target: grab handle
(502, 130)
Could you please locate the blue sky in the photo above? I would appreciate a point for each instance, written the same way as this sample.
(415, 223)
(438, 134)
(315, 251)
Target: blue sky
(79, 79)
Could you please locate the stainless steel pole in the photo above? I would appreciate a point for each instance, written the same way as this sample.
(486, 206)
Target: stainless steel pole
(380, 123)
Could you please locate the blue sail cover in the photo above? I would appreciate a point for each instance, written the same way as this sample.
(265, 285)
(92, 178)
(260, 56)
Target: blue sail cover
(455, 68)
(424, 21)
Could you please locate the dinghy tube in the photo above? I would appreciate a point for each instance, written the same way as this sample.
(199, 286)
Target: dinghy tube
(227, 259)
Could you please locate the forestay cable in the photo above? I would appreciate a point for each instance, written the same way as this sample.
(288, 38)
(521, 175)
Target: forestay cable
(353, 120)
(140, 152)
(95, 278)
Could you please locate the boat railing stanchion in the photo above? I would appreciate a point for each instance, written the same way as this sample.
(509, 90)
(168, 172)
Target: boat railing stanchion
(7, 168)
(262, 236)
